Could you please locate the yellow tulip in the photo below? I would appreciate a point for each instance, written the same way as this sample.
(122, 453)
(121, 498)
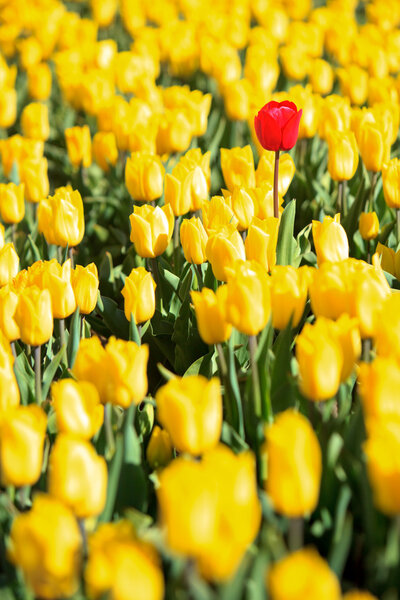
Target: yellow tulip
(151, 229)
(391, 183)
(139, 295)
(77, 475)
(22, 433)
(85, 283)
(159, 449)
(12, 204)
(294, 464)
(34, 316)
(369, 225)
(343, 155)
(144, 176)
(237, 166)
(289, 288)
(382, 451)
(330, 240)
(9, 263)
(105, 151)
(210, 309)
(248, 302)
(57, 279)
(33, 174)
(190, 409)
(35, 121)
(79, 146)
(61, 218)
(303, 574)
(223, 249)
(46, 544)
(194, 240)
(77, 406)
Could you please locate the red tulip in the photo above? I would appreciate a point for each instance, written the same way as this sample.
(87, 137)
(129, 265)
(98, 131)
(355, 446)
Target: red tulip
(277, 125)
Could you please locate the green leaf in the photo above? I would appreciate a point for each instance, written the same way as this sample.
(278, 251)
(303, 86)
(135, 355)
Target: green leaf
(25, 378)
(339, 552)
(113, 479)
(114, 318)
(286, 244)
(134, 334)
(50, 371)
(350, 222)
(282, 396)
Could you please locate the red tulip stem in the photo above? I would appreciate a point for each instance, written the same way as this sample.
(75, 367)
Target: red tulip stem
(276, 185)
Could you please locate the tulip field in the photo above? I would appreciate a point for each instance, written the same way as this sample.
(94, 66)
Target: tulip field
(199, 300)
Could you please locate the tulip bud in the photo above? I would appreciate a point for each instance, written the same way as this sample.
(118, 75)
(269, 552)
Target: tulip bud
(237, 166)
(22, 433)
(105, 151)
(39, 81)
(210, 309)
(288, 295)
(46, 545)
(216, 214)
(174, 132)
(294, 464)
(61, 219)
(119, 371)
(377, 381)
(128, 565)
(185, 191)
(343, 155)
(144, 175)
(103, 11)
(320, 361)
(190, 409)
(77, 406)
(85, 283)
(277, 125)
(369, 225)
(330, 240)
(77, 476)
(391, 183)
(248, 302)
(188, 503)
(33, 174)
(261, 240)
(34, 316)
(354, 83)
(321, 77)
(9, 390)
(242, 206)
(223, 249)
(374, 147)
(159, 448)
(9, 263)
(239, 511)
(151, 229)
(359, 595)
(8, 304)
(12, 204)
(303, 574)
(8, 107)
(57, 279)
(194, 240)
(265, 171)
(35, 121)
(79, 146)
(139, 295)
(382, 449)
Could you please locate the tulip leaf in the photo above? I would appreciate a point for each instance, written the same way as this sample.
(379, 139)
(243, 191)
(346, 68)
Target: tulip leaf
(25, 378)
(281, 389)
(35, 250)
(50, 372)
(114, 318)
(339, 552)
(74, 337)
(113, 479)
(350, 222)
(286, 244)
(134, 335)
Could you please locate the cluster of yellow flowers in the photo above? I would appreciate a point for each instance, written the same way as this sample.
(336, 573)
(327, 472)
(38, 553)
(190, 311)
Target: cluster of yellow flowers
(133, 121)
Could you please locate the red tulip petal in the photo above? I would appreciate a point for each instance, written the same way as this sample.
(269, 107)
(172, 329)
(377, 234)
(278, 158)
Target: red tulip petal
(290, 131)
(268, 131)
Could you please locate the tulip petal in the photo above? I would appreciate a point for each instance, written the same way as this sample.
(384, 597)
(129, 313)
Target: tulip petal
(290, 131)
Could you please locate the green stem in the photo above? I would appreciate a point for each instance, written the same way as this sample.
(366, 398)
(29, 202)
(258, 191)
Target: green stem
(276, 185)
(38, 374)
(71, 256)
(296, 534)
(366, 349)
(374, 177)
(199, 277)
(110, 442)
(255, 376)
(225, 378)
